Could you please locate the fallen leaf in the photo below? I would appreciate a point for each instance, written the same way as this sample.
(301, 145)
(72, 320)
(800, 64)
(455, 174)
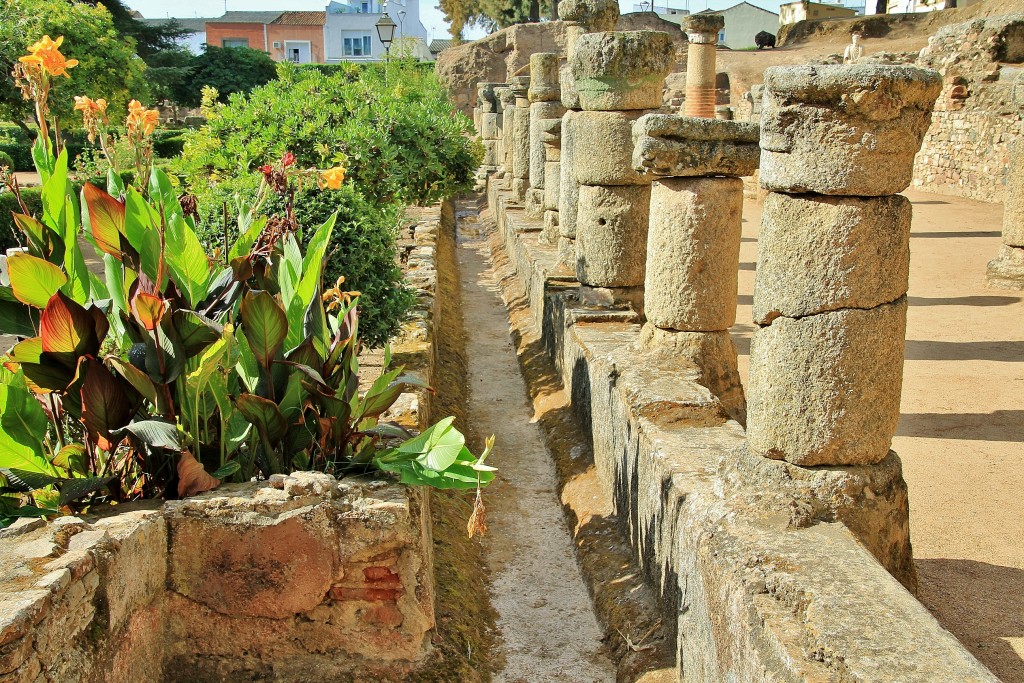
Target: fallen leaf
(192, 478)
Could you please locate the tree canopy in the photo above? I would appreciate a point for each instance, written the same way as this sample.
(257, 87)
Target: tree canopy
(108, 65)
(491, 14)
(228, 69)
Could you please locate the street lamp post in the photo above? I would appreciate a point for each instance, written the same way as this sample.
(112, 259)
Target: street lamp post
(386, 32)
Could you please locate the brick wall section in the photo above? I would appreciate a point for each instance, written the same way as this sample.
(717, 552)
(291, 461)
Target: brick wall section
(978, 114)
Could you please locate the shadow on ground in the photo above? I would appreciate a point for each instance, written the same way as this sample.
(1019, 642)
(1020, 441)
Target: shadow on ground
(982, 605)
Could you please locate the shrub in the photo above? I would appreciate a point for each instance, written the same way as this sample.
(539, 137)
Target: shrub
(6, 160)
(402, 143)
(10, 236)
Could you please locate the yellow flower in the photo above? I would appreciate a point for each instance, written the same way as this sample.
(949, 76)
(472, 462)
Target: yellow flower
(333, 177)
(141, 122)
(46, 55)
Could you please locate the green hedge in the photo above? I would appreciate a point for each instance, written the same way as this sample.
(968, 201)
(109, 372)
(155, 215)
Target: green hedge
(8, 231)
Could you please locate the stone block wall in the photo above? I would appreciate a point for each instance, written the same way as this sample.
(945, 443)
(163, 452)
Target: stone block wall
(978, 114)
(302, 578)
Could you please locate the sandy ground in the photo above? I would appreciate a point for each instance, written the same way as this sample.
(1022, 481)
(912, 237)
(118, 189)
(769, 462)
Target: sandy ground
(961, 433)
(545, 616)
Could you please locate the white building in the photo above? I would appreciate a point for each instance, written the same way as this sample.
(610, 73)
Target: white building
(742, 22)
(350, 33)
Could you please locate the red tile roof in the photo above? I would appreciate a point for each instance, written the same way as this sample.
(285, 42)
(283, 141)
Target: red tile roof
(302, 19)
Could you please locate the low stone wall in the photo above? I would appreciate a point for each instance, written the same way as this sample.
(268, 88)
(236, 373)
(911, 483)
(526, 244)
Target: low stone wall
(771, 569)
(299, 578)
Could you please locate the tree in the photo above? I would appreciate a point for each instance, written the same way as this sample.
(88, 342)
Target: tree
(491, 14)
(229, 70)
(150, 39)
(108, 66)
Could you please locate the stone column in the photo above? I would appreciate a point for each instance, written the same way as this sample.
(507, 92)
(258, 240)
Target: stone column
(619, 76)
(826, 362)
(487, 102)
(702, 32)
(501, 95)
(693, 242)
(580, 16)
(1006, 271)
(545, 109)
(507, 101)
(520, 86)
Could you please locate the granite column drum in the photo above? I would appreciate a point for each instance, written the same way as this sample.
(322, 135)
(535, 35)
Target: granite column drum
(1006, 271)
(580, 17)
(702, 32)
(826, 365)
(693, 242)
(618, 76)
(545, 112)
(520, 86)
(826, 362)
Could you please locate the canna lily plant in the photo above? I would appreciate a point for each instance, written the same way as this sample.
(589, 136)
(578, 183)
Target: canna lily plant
(174, 370)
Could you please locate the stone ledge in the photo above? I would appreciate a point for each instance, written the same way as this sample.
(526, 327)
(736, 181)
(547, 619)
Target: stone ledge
(760, 560)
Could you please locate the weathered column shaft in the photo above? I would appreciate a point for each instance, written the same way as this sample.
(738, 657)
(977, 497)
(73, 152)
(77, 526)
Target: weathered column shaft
(693, 242)
(521, 138)
(826, 365)
(1007, 269)
(702, 32)
(545, 112)
(618, 76)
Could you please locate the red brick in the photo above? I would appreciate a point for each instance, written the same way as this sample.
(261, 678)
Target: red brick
(365, 594)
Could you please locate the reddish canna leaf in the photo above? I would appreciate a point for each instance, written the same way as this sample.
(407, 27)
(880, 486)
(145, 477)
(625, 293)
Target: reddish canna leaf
(149, 309)
(105, 403)
(67, 330)
(106, 219)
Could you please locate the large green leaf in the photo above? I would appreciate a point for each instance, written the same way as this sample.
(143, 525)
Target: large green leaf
(165, 356)
(187, 259)
(266, 325)
(77, 286)
(34, 280)
(74, 489)
(23, 427)
(54, 193)
(141, 227)
(264, 415)
(17, 319)
(196, 331)
(249, 229)
(154, 433)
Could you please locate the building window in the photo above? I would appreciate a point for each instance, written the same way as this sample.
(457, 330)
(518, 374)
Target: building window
(235, 42)
(357, 46)
(364, 7)
(721, 36)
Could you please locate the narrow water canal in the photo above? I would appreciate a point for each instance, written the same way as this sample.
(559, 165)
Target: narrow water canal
(545, 614)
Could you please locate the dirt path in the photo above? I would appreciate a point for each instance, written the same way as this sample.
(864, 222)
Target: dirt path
(544, 612)
(961, 433)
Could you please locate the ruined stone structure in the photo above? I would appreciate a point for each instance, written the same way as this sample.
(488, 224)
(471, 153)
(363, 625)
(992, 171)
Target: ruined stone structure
(978, 113)
(580, 16)
(506, 104)
(488, 116)
(520, 135)
(702, 32)
(693, 242)
(1007, 269)
(763, 563)
(545, 122)
(618, 76)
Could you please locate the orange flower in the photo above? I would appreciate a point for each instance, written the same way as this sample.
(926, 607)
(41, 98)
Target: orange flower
(141, 121)
(46, 55)
(87, 105)
(333, 177)
(94, 113)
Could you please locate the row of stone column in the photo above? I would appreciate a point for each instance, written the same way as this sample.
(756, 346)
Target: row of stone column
(835, 146)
